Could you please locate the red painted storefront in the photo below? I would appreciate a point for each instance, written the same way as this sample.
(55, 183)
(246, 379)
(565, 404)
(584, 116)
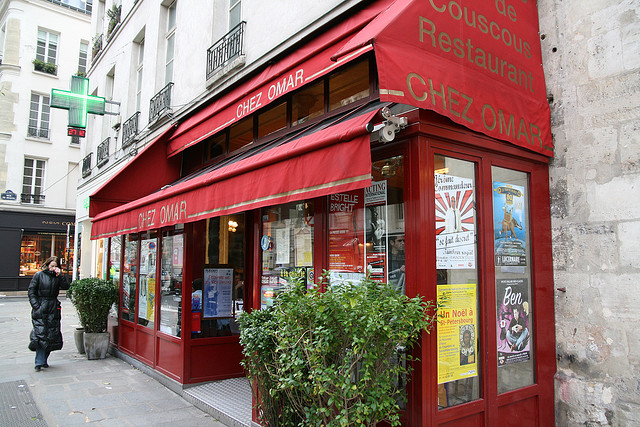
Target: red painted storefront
(458, 200)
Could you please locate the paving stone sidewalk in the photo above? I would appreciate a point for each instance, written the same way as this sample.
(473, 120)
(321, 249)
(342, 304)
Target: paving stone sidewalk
(77, 391)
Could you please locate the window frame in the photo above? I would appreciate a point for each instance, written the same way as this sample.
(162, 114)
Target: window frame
(38, 115)
(34, 189)
(48, 45)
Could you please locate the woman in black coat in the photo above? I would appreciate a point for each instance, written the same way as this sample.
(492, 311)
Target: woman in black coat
(46, 311)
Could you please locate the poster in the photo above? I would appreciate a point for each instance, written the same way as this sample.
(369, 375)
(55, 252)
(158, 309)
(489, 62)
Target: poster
(455, 222)
(142, 298)
(217, 298)
(303, 241)
(509, 225)
(457, 332)
(283, 242)
(151, 296)
(178, 251)
(377, 235)
(272, 285)
(513, 321)
(346, 235)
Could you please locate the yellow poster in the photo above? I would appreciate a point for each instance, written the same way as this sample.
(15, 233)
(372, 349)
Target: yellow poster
(457, 332)
(151, 296)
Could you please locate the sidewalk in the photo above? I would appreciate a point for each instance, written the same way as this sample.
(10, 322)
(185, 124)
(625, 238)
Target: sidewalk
(74, 390)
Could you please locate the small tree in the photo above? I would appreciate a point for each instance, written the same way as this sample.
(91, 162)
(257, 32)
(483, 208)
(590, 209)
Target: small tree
(333, 358)
(93, 298)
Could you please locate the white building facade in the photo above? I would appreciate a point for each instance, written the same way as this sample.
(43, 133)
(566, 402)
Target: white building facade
(42, 43)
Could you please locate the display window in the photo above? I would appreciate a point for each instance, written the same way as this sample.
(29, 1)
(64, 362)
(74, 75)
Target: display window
(171, 281)
(366, 229)
(287, 248)
(217, 289)
(35, 248)
(512, 254)
(147, 280)
(129, 278)
(459, 373)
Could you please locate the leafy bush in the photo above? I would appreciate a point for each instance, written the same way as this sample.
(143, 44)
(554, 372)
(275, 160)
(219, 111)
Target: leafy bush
(45, 67)
(93, 298)
(333, 358)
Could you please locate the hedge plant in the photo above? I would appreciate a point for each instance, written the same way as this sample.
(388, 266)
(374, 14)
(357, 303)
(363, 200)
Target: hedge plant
(333, 358)
(93, 297)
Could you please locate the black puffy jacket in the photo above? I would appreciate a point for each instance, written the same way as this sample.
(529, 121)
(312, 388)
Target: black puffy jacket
(45, 310)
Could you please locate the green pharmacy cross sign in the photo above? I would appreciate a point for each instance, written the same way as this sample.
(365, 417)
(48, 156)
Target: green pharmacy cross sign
(78, 102)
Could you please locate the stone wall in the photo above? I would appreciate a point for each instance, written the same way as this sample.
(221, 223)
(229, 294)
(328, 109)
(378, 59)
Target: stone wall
(591, 53)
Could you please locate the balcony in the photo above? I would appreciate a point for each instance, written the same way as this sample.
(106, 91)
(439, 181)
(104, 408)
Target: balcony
(225, 50)
(130, 129)
(103, 154)
(38, 132)
(86, 166)
(160, 103)
(36, 199)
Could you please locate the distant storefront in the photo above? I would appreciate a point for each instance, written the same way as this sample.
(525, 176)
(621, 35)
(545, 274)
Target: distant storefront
(28, 239)
(407, 159)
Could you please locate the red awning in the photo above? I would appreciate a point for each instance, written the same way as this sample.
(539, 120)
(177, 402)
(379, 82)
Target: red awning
(332, 160)
(480, 64)
(120, 188)
(304, 65)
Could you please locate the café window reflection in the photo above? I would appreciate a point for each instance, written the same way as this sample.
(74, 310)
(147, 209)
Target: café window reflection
(35, 248)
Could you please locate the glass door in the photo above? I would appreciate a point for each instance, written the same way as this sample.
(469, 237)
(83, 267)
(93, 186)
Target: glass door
(458, 291)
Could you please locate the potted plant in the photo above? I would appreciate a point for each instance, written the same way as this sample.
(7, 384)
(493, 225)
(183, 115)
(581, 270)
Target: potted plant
(45, 67)
(93, 297)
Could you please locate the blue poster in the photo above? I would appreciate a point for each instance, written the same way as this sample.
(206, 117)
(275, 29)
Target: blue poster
(509, 225)
(217, 298)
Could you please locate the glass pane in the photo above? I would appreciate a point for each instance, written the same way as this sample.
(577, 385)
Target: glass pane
(171, 284)
(241, 134)
(147, 280)
(129, 276)
(218, 291)
(512, 254)
(216, 146)
(287, 247)
(366, 228)
(114, 259)
(235, 13)
(272, 120)
(349, 85)
(457, 282)
(171, 21)
(307, 103)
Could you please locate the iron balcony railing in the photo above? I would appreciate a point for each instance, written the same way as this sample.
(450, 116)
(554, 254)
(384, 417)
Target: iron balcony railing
(38, 132)
(102, 153)
(160, 103)
(130, 129)
(36, 199)
(86, 166)
(229, 47)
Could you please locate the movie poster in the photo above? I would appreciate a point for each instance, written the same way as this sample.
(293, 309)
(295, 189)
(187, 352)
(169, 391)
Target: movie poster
(509, 225)
(346, 233)
(455, 222)
(217, 298)
(457, 332)
(514, 327)
(375, 202)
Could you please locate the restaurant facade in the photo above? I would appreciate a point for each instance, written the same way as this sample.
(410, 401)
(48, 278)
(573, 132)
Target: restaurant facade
(409, 141)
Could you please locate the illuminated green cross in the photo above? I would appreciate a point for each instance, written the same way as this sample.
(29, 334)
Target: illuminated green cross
(78, 102)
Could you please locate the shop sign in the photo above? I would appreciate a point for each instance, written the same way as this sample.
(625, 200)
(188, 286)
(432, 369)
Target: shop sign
(478, 63)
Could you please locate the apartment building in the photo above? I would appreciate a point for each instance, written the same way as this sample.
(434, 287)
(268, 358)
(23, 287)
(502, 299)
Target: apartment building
(42, 44)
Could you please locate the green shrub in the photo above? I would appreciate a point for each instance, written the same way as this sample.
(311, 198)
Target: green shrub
(333, 358)
(93, 298)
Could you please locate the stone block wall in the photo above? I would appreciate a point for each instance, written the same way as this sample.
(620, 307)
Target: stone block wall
(591, 54)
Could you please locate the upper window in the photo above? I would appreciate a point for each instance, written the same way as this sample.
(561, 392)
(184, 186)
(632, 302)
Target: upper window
(139, 74)
(39, 116)
(47, 48)
(82, 58)
(33, 181)
(235, 13)
(171, 40)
